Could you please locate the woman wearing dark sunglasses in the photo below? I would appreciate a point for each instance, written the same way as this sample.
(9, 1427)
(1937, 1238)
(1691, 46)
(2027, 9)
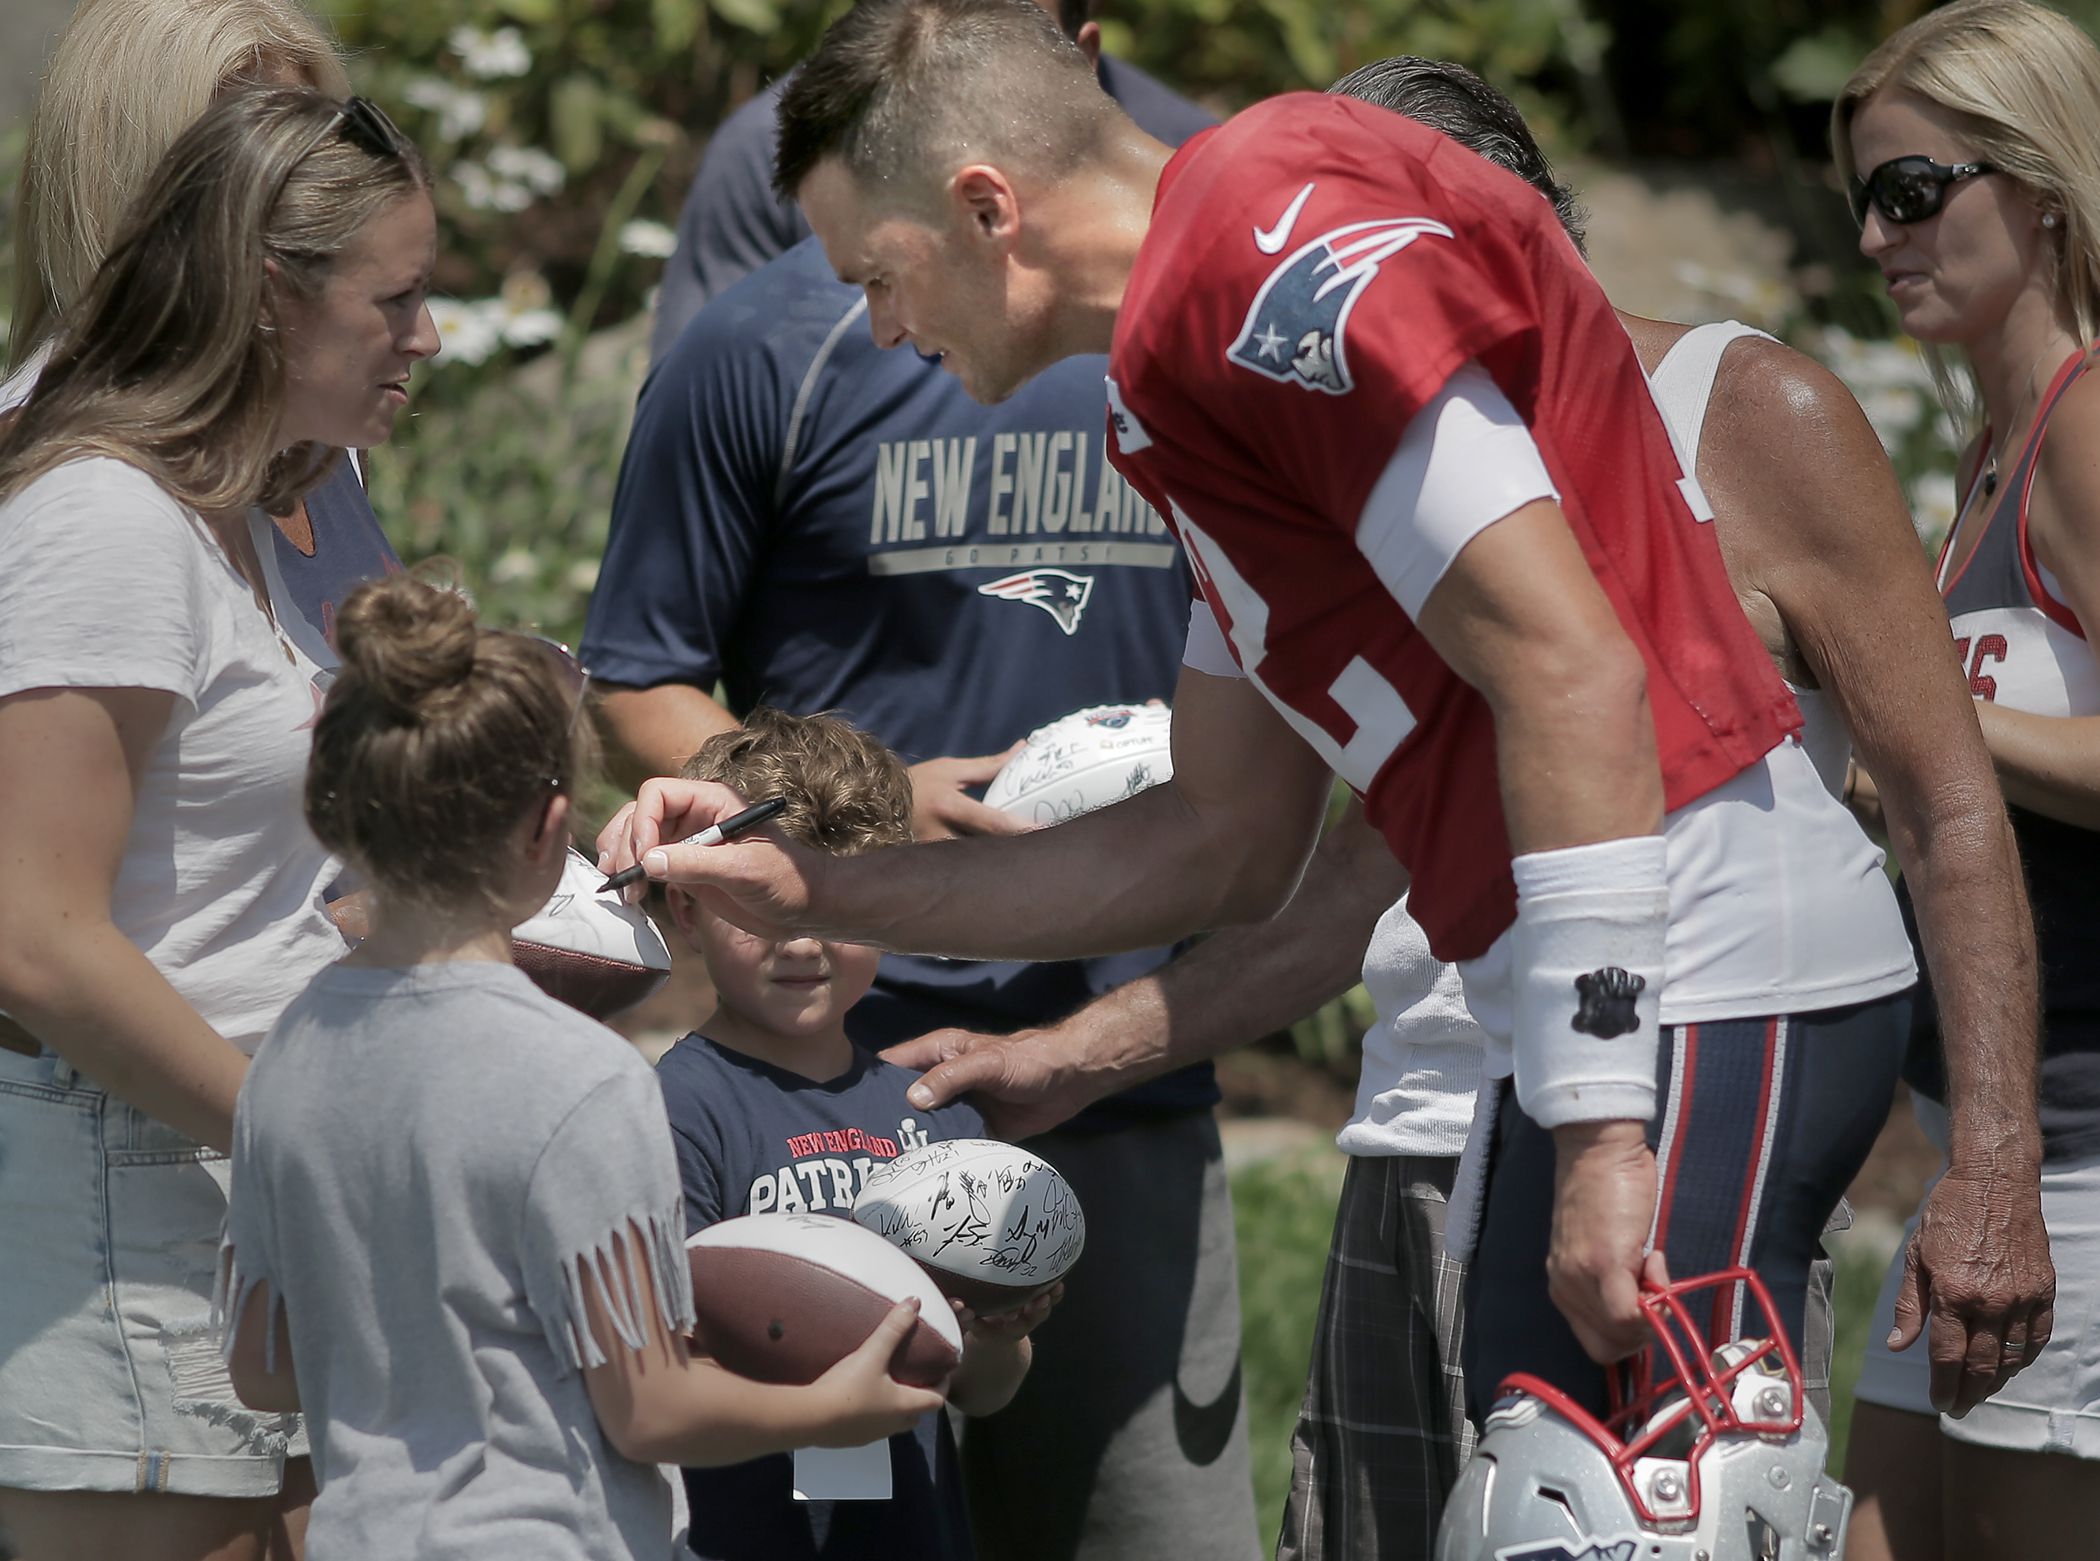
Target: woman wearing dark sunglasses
(260, 308)
(1972, 143)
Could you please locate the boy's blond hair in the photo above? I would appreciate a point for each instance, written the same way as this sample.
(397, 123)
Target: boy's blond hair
(846, 793)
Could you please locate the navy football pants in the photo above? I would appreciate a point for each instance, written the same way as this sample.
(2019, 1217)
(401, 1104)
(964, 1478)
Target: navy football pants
(1760, 1126)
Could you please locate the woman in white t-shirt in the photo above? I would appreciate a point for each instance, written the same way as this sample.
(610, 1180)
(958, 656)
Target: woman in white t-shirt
(264, 304)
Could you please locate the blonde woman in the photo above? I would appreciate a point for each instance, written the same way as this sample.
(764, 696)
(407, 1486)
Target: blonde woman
(262, 307)
(126, 78)
(1972, 139)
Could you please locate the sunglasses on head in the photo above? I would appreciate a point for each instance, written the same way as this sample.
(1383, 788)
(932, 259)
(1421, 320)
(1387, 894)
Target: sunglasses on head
(364, 125)
(1909, 189)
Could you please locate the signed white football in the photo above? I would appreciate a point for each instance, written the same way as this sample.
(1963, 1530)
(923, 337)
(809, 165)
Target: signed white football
(589, 950)
(1083, 761)
(992, 1224)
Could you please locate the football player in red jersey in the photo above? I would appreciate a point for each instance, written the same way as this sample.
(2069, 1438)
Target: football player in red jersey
(1446, 545)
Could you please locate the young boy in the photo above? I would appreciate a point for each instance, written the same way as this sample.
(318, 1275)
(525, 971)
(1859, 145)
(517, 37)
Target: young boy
(774, 1110)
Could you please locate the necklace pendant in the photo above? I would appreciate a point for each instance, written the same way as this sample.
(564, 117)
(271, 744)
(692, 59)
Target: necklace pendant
(1990, 480)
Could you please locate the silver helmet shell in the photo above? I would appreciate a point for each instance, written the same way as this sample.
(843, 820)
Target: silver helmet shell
(1723, 1461)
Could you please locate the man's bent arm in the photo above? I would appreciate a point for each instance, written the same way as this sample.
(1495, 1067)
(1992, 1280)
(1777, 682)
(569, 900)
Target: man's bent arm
(1229, 990)
(1832, 546)
(1840, 561)
(653, 731)
(1224, 841)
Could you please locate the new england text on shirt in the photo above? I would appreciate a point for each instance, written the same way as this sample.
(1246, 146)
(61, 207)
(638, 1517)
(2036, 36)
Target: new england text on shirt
(1049, 498)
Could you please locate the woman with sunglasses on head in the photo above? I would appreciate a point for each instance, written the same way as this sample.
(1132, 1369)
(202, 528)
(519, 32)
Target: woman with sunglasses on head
(126, 77)
(260, 308)
(489, 1347)
(1974, 139)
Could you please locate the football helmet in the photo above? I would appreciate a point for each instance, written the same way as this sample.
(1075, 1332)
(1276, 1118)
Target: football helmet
(1721, 1462)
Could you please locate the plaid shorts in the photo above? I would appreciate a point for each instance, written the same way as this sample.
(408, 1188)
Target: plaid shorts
(1383, 1431)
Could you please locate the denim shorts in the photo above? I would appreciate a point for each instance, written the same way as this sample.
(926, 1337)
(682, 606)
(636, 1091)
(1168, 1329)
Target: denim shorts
(111, 1377)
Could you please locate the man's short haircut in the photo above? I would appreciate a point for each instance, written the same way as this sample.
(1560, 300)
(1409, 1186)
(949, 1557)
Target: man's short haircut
(845, 792)
(902, 92)
(1455, 102)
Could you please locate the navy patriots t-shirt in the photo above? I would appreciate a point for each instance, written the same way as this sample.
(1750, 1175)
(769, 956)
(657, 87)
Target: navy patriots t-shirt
(818, 524)
(756, 1139)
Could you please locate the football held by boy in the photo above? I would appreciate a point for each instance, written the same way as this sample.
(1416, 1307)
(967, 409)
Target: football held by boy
(1444, 542)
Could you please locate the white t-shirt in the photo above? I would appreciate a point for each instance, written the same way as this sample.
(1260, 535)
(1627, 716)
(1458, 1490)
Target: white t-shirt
(107, 582)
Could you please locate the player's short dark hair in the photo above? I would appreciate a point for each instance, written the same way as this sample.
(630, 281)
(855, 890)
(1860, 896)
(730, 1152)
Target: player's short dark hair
(900, 89)
(845, 792)
(1455, 102)
(1073, 15)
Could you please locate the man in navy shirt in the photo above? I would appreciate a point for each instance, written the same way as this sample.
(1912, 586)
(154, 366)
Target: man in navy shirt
(806, 520)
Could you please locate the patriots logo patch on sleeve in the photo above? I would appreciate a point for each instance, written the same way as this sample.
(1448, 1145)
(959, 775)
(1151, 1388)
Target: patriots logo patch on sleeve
(1296, 330)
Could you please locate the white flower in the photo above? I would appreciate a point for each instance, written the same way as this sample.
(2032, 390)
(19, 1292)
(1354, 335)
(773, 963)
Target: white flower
(582, 575)
(515, 567)
(1894, 410)
(530, 327)
(485, 193)
(651, 240)
(528, 165)
(460, 110)
(488, 56)
(466, 332)
(1932, 505)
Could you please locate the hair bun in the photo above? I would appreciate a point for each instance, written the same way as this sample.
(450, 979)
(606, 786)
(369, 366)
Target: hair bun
(405, 641)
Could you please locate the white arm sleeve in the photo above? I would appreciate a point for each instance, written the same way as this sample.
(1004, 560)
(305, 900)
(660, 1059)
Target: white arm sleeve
(1465, 461)
(1206, 650)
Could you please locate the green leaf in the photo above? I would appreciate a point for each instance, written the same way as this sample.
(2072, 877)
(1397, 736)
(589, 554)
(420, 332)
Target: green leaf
(576, 122)
(533, 13)
(677, 23)
(1815, 69)
(757, 16)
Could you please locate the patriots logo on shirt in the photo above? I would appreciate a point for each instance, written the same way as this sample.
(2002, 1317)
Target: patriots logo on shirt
(1062, 595)
(1296, 331)
(1563, 1550)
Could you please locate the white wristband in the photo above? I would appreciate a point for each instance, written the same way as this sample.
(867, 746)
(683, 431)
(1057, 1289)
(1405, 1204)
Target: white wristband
(1592, 926)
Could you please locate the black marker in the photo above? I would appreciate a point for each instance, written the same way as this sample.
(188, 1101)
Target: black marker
(736, 824)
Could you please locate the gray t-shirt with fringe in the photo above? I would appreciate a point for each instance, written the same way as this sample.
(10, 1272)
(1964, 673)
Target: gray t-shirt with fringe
(426, 1163)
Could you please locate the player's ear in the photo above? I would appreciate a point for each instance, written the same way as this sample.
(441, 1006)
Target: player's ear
(987, 202)
(1089, 40)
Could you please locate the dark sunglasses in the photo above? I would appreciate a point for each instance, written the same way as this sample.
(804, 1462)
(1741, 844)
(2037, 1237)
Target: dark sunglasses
(1909, 189)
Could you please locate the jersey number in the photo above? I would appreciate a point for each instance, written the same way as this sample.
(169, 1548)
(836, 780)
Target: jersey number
(1986, 648)
(1382, 718)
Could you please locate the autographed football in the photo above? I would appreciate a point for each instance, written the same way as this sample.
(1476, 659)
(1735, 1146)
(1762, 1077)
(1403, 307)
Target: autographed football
(785, 1297)
(1083, 761)
(992, 1224)
(589, 950)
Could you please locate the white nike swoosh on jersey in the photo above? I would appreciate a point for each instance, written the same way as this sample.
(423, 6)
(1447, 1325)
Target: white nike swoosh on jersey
(1270, 240)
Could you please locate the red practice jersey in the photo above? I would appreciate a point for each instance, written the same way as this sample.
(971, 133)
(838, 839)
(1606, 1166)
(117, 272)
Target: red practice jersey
(1316, 270)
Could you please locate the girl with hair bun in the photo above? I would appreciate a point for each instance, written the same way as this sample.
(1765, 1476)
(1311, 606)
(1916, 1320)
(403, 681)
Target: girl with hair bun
(455, 1235)
(1971, 140)
(260, 309)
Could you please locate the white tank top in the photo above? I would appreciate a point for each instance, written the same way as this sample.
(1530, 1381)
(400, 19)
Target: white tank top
(1778, 901)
